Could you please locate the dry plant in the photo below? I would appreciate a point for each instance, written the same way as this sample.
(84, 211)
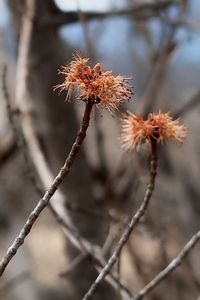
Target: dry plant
(96, 89)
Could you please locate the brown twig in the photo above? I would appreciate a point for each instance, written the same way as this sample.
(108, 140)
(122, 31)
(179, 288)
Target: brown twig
(21, 142)
(94, 252)
(74, 264)
(38, 182)
(157, 75)
(17, 280)
(188, 106)
(140, 11)
(14, 119)
(22, 96)
(46, 198)
(170, 268)
(36, 160)
(99, 173)
(119, 274)
(129, 228)
(8, 147)
(86, 248)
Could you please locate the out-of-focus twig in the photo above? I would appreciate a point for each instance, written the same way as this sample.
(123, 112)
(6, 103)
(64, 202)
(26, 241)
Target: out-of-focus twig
(84, 24)
(21, 95)
(17, 280)
(27, 129)
(74, 264)
(79, 242)
(13, 116)
(154, 85)
(34, 157)
(8, 147)
(140, 11)
(65, 169)
(129, 228)
(171, 267)
(188, 106)
(100, 173)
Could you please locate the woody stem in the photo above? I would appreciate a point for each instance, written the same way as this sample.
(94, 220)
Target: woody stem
(65, 169)
(130, 226)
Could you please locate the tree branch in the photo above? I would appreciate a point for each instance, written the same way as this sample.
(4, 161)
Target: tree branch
(188, 106)
(49, 193)
(86, 248)
(139, 11)
(170, 268)
(129, 228)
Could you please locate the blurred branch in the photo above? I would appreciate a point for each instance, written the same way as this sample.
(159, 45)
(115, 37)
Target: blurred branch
(27, 129)
(65, 169)
(23, 107)
(190, 25)
(74, 264)
(15, 121)
(16, 281)
(100, 173)
(188, 106)
(86, 248)
(129, 228)
(139, 11)
(8, 148)
(13, 116)
(156, 78)
(70, 231)
(173, 265)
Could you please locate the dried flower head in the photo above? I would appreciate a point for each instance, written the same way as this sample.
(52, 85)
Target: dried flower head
(92, 84)
(166, 128)
(158, 127)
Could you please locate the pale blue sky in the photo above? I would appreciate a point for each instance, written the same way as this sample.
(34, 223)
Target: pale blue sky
(4, 13)
(89, 4)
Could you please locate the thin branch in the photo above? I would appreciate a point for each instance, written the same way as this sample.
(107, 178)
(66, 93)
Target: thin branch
(16, 281)
(8, 148)
(21, 95)
(86, 248)
(140, 11)
(15, 120)
(170, 268)
(129, 228)
(79, 242)
(74, 264)
(34, 157)
(119, 274)
(188, 106)
(154, 85)
(92, 251)
(54, 186)
(32, 153)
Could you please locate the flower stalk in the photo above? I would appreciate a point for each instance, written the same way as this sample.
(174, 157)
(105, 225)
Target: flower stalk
(131, 225)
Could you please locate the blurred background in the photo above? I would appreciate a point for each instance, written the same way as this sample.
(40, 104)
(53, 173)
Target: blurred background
(157, 42)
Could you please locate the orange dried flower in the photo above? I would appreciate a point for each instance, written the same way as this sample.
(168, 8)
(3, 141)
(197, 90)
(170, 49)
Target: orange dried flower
(92, 84)
(136, 131)
(166, 128)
